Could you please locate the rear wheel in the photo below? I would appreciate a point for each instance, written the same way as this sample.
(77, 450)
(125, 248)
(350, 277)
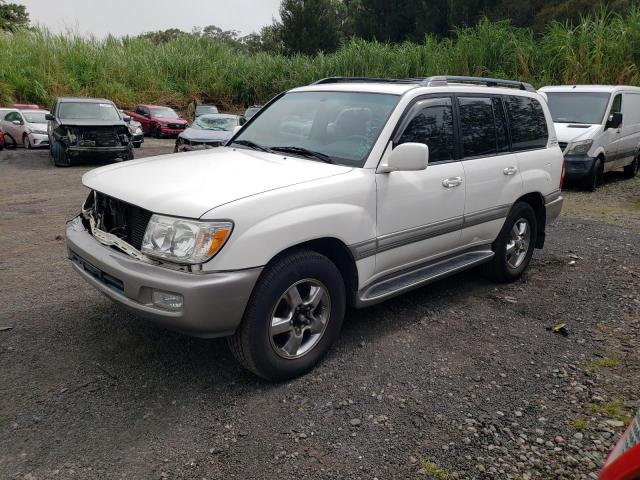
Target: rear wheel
(595, 178)
(58, 155)
(515, 244)
(631, 170)
(293, 317)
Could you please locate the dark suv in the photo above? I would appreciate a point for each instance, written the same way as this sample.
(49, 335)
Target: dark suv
(88, 127)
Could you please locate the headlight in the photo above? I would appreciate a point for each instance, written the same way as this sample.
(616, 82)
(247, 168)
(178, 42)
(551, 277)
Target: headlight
(39, 132)
(184, 241)
(138, 130)
(580, 147)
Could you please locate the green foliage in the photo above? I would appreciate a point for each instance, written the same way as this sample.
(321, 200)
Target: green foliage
(310, 26)
(38, 66)
(13, 16)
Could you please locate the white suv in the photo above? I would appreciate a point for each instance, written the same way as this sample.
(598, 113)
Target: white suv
(342, 193)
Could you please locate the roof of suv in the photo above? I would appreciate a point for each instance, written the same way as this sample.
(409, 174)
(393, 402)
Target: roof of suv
(83, 100)
(587, 88)
(401, 86)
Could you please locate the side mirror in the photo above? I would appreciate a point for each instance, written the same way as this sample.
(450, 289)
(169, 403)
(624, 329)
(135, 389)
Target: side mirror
(49, 117)
(17, 122)
(406, 157)
(615, 120)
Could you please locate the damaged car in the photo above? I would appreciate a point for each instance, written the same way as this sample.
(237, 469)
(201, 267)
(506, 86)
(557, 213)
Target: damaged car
(208, 131)
(87, 127)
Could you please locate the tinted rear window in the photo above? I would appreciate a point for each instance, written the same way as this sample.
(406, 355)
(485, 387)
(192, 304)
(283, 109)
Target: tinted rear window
(528, 123)
(478, 126)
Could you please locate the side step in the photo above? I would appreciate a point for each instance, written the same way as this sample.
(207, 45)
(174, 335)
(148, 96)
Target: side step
(409, 279)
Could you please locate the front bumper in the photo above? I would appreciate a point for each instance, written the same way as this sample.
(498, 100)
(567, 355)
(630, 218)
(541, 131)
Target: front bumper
(138, 138)
(100, 152)
(578, 166)
(213, 303)
(39, 140)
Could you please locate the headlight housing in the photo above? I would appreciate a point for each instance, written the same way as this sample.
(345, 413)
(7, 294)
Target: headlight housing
(580, 147)
(39, 132)
(138, 131)
(187, 242)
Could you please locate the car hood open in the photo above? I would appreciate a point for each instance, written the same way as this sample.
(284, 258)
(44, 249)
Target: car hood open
(191, 184)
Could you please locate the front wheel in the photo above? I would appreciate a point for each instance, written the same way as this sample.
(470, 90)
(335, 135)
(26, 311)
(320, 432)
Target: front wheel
(293, 317)
(631, 170)
(25, 142)
(59, 156)
(515, 244)
(596, 176)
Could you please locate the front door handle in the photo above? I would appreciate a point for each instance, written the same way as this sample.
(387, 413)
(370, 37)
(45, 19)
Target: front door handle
(452, 182)
(510, 170)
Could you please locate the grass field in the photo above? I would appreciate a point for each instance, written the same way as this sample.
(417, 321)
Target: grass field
(37, 66)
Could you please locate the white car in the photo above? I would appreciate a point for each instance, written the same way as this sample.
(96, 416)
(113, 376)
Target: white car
(598, 129)
(392, 185)
(25, 127)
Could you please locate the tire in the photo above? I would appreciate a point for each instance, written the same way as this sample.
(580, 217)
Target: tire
(25, 142)
(58, 155)
(274, 356)
(508, 266)
(631, 170)
(137, 144)
(595, 178)
(130, 154)
(157, 133)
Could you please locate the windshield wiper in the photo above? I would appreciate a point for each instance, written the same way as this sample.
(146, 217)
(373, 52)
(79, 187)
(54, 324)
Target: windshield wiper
(253, 145)
(304, 152)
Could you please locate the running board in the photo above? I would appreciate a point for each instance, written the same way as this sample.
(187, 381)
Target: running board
(409, 279)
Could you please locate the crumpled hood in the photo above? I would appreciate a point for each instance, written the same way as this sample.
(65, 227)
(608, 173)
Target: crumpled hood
(571, 132)
(91, 123)
(179, 121)
(191, 184)
(201, 135)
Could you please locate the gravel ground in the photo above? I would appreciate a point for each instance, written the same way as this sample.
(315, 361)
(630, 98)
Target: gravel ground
(460, 379)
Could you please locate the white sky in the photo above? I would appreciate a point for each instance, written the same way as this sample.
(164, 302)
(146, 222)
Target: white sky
(131, 17)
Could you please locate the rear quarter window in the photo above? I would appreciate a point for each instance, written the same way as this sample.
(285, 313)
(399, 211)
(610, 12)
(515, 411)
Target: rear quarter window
(528, 123)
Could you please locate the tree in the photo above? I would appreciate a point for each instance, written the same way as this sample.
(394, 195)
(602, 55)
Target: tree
(310, 26)
(163, 36)
(13, 16)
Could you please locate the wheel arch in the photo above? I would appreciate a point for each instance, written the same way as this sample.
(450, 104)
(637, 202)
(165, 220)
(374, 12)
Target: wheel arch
(336, 251)
(536, 201)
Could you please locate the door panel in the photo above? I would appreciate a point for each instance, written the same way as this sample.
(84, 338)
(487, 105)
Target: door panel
(630, 128)
(419, 213)
(612, 138)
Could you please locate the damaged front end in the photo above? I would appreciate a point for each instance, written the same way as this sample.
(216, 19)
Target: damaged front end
(102, 141)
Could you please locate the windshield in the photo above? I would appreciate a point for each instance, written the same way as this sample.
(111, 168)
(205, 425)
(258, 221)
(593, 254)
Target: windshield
(165, 112)
(214, 122)
(88, 111)
(35, 117)
(578, 107)
(204, 109)
(341, 125)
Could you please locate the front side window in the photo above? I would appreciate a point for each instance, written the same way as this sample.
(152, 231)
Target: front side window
(528, 123)
(341, 126)
(478, 126)
(433, 126)
(88, 111)
(617, 104)
(578, 107)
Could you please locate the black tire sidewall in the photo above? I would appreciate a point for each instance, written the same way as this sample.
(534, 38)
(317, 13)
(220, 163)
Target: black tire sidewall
(504, 271)
(60, 158)
(25, 142)
(270, 288)
(594, 178)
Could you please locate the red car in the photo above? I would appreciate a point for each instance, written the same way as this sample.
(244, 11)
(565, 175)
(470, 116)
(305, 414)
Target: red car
(1, 140)
(26, 106)
(158, 121)
(624, 461)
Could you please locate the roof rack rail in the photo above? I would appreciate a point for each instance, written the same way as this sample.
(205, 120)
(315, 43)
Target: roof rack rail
(364, 79)
(436, 81)
(442, 80)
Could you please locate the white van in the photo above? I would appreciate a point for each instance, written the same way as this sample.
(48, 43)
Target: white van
(598, 128)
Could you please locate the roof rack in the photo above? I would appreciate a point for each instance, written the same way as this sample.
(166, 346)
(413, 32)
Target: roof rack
(436, 81)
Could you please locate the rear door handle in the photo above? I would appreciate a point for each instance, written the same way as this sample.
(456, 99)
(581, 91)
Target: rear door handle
(452, 182)
(510, 170)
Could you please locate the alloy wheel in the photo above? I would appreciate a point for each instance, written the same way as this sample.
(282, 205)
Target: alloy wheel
(518, 244)
(299, 318)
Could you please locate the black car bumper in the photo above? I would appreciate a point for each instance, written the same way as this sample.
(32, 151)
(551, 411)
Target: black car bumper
(578, 166)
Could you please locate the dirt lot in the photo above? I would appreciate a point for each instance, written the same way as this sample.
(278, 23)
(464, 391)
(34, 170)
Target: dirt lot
(457, 380)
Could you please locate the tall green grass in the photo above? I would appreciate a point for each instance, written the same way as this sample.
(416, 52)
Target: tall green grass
(36, 66)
